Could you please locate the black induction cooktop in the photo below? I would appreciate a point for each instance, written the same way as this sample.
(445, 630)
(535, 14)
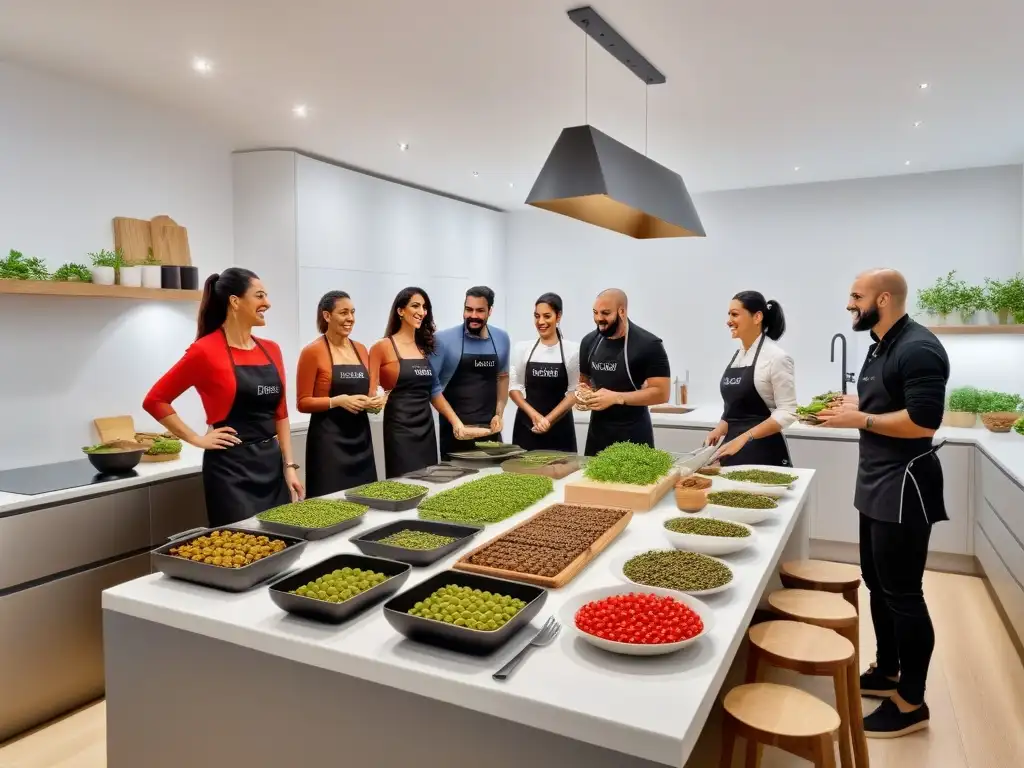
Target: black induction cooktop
(44, 478)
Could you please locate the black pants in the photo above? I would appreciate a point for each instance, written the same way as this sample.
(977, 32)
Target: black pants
(892, 559)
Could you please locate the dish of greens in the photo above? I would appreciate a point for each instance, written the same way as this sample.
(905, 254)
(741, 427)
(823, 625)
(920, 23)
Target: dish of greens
(629, 463)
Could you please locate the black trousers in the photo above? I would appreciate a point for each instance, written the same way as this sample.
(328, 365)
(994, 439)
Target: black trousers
(892, 559)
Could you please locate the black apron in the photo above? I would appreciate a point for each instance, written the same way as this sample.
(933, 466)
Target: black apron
(339, 449)
(607, 369)
(546, 385)
(896, 477)
(472, 392)
(744, 410)
(410, 442)
(246, 479)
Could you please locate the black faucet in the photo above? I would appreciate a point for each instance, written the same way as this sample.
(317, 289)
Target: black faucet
(846, 376)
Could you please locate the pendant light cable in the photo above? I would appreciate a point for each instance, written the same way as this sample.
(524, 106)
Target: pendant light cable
(647, 116)
(586, 79)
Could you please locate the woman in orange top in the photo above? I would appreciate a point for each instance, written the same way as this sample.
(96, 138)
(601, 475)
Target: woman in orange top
(399, 364)
(333, 384)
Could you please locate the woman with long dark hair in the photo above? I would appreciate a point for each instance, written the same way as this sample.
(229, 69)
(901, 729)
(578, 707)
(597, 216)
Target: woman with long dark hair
(399, 364)
(542, 382)
(333, 384)
(758, 386)
(247, 460)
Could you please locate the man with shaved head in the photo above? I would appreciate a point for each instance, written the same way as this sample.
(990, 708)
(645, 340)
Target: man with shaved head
(900, 397)
(623, 370)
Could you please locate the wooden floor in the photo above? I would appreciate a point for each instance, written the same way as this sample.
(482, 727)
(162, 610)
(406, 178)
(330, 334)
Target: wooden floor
(975, 692)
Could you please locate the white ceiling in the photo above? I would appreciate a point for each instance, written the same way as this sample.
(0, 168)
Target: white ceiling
(754, 88)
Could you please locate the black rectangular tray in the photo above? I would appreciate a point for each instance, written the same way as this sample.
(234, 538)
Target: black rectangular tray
(335, 613)
(369, 542)
(312, 534)
(462, 639)
(229, 579)
(450, 471)
(352, 494)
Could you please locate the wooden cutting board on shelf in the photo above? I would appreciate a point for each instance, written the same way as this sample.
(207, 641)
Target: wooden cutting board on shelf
(133, 237)
(639, 498)
(170, 242)
(115, 428)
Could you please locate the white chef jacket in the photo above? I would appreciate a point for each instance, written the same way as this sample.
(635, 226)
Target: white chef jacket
(774, 379)
(543, 354)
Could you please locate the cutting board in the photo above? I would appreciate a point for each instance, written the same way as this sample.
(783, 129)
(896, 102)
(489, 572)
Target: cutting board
(115, 428)
(133, 237)
(170, 242)
(556, 470)
(560, 579)
(639, 498)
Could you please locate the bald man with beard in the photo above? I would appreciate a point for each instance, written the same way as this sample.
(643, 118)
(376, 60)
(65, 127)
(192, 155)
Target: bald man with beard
(623, 370)
(901, 393)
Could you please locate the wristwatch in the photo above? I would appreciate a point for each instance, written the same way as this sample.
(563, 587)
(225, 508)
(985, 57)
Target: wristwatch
(291, 466)
(869, 423)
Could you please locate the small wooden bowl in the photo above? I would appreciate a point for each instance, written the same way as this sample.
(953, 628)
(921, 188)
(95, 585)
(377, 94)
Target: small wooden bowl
(694, 482)
(691, 499)
(999, 421)
(709, 471)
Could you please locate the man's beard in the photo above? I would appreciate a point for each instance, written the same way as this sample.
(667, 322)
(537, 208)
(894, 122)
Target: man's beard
(867, 320)
(611, 329)
(475, 330)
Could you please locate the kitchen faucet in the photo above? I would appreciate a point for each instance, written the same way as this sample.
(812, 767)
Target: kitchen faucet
(847, 377)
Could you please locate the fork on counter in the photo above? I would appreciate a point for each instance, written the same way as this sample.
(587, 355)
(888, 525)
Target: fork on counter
(545, 637)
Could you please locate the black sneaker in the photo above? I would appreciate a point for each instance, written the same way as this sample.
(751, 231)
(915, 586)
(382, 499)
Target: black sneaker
(887, 722)
(875, 685)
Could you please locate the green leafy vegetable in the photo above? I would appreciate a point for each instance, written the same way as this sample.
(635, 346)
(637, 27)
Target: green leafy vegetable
(965, 400)
(68, 272)
(164, 446)
(104, 258)
(1018, 426)
(17, 267)
(629, 463)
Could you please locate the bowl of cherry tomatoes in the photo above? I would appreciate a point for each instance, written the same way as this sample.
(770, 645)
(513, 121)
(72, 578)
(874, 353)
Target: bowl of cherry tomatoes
(635, 620)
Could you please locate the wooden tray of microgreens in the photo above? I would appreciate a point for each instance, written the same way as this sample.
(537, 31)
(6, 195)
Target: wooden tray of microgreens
(554, 464)
(625, 475)
(550, 548)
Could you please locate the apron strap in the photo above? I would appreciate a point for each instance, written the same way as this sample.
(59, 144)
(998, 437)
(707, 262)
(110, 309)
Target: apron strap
(757, 353)
(231, 357)
(526, 362)
(397, 355)
(363, 363)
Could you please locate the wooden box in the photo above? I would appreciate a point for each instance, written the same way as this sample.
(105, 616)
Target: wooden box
(639, 498)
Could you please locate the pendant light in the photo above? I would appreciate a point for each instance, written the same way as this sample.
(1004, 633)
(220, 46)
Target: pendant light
(591, 177)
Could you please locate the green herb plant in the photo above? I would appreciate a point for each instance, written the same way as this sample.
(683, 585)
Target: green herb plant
(164, 446)
(1006, 297)
(105, 258)
(489, 499)
(998, 402)
(17, 267)
(968, 300)
(72, 272)
(1018, 426)
(965, 400)
(629, 463)
(941, 297)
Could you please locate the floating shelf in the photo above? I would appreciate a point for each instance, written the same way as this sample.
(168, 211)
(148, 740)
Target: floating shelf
(976, 330)
(53, 288)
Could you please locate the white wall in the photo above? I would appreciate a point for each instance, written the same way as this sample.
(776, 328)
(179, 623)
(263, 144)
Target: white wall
(799, 244)
(72, 158)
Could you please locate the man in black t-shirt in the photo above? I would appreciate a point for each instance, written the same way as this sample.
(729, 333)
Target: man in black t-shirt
(623, 370)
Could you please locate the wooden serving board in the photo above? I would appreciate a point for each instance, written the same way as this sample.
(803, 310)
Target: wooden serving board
(556, 471)
(115, 428)
(133, 237)
(671, 409)
(160, 457)
(170, 242)
(568, 573)
(639, 498)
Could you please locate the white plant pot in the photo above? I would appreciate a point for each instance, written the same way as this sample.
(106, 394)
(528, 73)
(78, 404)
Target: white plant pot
(969, 318)
(940, 319)
(150, 275)
(130, 276)
(103, 275)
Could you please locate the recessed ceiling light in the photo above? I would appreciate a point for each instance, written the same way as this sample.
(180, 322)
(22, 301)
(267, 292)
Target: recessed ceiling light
(511, 185)
(300, 110)
(906, 162)
(917, 123)
(202, 66)
(796, 167)
(403, 146)
(923, 86)
(475, 174)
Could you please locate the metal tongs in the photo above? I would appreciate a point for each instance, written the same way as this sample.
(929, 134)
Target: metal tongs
(689, 463)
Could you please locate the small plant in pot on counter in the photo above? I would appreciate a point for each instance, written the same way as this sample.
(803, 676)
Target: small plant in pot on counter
(151, 271)
(17, 267)
(1005, 298)
(963, 407)
(969, 300)
(105, 265)
(72, 273)
(129, 274)
(1000, 410)
(940, 299)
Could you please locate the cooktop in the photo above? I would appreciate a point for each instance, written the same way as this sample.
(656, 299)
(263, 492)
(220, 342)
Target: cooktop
(44, 478)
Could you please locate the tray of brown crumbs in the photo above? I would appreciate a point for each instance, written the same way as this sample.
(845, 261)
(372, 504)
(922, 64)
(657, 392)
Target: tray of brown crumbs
(551, 547)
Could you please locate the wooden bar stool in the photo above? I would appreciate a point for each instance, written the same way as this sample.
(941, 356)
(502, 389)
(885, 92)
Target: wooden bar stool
(823, 576)
(779, 716)
(806, 650)
(831, 611)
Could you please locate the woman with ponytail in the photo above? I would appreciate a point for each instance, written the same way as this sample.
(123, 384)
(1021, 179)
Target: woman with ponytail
(758, 386)
(247, 460)
(542, 382)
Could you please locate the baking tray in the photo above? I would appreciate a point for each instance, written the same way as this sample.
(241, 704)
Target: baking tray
(352, 494)
(229, 579)
(312, 534)
(335, 613)
(483, 457)
(369, 542)
(462, 639)
(444, 472)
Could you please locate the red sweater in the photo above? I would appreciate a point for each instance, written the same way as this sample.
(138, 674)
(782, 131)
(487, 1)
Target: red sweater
(207, 367)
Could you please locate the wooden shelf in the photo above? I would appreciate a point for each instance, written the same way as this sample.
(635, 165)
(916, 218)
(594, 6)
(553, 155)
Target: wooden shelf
(52, 288)
(975, 330)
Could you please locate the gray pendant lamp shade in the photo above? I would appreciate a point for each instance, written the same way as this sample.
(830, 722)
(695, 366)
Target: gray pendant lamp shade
(591, 177)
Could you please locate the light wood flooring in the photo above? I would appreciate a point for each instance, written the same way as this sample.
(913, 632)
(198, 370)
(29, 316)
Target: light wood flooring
(975, 692)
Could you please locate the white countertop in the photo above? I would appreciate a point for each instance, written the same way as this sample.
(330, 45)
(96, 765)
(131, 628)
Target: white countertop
(570, 688)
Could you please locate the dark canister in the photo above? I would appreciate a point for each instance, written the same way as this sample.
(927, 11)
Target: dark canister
(189, 278)
(170, 277)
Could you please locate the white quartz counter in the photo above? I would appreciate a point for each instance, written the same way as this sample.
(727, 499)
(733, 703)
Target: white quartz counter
(651, 708)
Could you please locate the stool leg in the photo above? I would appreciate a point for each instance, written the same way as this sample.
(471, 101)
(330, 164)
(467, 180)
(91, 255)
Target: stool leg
(753, 663)
(728, 740)
(845, 726)
(860, 742)
(824, 752)
(752, 755)
(853, 598)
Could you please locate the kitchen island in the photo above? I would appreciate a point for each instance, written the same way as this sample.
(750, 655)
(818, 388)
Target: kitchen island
(240, 682)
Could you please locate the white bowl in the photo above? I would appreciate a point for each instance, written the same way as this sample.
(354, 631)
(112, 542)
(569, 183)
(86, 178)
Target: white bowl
(567, 615)
(708, 545)
(722, 483)
(739, 514)
(618, 564)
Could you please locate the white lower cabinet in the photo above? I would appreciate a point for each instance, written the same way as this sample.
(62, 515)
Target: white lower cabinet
(679, 440)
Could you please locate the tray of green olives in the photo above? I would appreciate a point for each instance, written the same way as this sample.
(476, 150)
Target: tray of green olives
(337, 588)
(524, 601)
(417, 542)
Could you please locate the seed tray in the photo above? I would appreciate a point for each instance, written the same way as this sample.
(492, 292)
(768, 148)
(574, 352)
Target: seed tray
(481, 455)
(228, 579)
(369, 542)
(311, 534)
(335, 613)
(388, 505)
(462, 639)
(440, 473)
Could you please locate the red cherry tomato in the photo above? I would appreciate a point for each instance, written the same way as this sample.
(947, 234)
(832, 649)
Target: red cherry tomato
(639, 618)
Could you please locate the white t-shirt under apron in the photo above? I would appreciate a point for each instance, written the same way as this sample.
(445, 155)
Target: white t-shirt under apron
(774, 379)
(543, 354)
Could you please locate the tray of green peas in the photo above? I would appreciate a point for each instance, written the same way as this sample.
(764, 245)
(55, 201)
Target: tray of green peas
(389, 495)
(417, 542)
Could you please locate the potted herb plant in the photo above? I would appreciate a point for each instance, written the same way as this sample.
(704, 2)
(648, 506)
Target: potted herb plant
(72, 273)
(151, 271)
(999, 410)
(968, 300)
(1005, 298)
(940, 298)
(17, 267)
(129, 273)
(104, 267)
(962, 407)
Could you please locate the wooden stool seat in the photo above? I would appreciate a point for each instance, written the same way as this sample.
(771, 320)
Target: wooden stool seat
(823, 575)
(795, 645)
(825, 609)
(779, 716)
